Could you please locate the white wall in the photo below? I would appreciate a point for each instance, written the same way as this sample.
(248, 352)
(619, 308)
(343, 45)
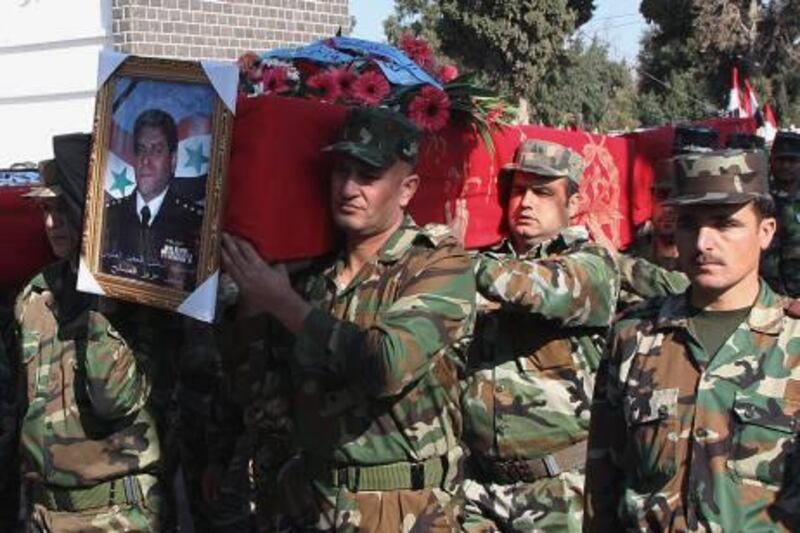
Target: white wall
(48, 72)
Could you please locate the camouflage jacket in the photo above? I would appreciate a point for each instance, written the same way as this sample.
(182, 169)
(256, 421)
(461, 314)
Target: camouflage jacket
(676, 445)
(781, 263)
(533, 360)
(642, 279)
(373, 374)
(84, 392)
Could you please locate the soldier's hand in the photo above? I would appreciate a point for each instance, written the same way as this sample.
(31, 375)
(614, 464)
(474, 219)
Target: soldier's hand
(456, 216)
(261, 285)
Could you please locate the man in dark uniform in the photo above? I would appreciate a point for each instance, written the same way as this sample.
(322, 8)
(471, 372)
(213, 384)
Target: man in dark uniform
(153, 234)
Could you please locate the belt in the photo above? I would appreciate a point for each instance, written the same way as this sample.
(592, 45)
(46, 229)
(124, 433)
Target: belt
(393, 476)
(529, 470)
(126, 490)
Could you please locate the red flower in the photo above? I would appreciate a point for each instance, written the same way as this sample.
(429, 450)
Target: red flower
(448, 73)
(371, 88)
(418, 50)
(495, 114)
(430, 109)
(276, 80)
(324, 86)
(345, 78)
(250, 66)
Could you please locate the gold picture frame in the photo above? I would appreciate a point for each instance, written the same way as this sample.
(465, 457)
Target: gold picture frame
(163, 261)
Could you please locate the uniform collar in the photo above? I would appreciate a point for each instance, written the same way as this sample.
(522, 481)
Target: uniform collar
(566, 238)
(766, 315)
(393, 249)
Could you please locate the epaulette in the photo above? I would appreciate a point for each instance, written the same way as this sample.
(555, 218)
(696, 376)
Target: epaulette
(188, 206)
(641, 309)
(436, 233)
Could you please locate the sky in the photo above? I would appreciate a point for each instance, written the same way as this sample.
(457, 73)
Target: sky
(616, 22)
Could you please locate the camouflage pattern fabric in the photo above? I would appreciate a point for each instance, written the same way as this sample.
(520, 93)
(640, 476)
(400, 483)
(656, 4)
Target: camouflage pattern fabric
(729, 176)
(549, 505)
(531, 372)
(210, 427)
(641, 280)
(87, 416)
(372, 380)
(781, 264)
(678, 445)
(548, 159)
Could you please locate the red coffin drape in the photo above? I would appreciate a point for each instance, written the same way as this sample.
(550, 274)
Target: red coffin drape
(24, 245)
(277, 194)
(277, 177)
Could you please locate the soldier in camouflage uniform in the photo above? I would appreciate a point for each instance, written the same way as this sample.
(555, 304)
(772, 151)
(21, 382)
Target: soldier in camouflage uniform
(781, 264)
(546, 298)
(90, 448)
(372, 364)
(696, 410)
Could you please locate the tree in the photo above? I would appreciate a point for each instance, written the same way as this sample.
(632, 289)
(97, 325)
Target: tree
(695, 43)
(586, 89)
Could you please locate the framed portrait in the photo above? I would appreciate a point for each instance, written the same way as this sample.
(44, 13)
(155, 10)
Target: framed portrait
(161, 144)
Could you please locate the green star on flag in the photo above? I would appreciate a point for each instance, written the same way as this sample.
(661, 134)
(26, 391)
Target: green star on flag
(196, 158)
(121, 181)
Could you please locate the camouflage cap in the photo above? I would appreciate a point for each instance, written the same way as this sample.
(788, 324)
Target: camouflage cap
(786, 144)
(694, 139)
(48, 187)
(378, 136)
(721, 177)
(549, 159)
(744, 141)
(664, 175)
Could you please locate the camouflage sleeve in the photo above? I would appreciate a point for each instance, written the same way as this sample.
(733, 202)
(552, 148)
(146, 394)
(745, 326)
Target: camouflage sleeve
(433, 310)
(607, 433)
(257, 376)
(648, 280)
(117, 383)
(576, 289)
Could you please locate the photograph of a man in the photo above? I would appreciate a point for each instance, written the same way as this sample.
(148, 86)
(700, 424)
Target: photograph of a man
(153, 234)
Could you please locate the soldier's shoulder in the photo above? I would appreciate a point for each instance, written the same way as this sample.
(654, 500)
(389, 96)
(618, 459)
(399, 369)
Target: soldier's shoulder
(186, 207)
(437, 235)
(640, 315)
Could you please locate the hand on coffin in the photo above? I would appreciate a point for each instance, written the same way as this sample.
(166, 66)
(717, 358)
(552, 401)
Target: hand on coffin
(263, 288)
(456, 216)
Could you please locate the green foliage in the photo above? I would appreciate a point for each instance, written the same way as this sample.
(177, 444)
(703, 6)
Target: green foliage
(695, 43)
(587, 89)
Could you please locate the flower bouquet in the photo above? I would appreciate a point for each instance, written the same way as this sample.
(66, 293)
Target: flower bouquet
(354, 72)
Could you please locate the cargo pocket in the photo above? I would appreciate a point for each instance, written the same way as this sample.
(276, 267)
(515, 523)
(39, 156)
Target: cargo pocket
(652, 421)
(764, 437)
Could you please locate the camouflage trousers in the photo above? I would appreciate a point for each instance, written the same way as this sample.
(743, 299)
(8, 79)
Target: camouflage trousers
(142, 517)
(554, 504)
(231, 511)
(313, 506)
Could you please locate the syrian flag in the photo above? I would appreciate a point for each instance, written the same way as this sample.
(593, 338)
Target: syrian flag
(194, 154)
(751, 103)
(735, 108)
(770, 128)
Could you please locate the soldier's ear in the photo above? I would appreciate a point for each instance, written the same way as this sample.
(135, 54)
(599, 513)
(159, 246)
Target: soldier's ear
(766, 231)
(408, 188)
(573, 205)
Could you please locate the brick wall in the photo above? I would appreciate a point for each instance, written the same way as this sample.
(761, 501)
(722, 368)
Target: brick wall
(222, 29)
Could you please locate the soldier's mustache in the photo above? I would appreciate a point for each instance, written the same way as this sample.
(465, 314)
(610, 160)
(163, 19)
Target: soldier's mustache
(706, 259)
